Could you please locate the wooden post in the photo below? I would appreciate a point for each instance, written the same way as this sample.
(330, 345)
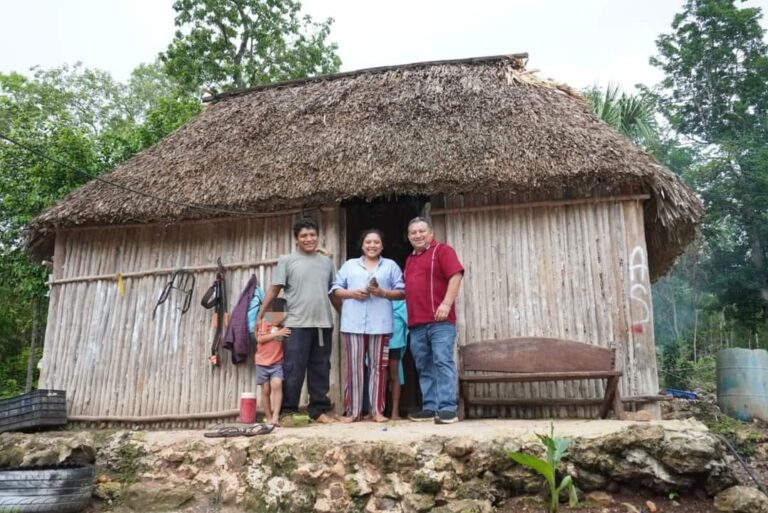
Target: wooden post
(32, 340)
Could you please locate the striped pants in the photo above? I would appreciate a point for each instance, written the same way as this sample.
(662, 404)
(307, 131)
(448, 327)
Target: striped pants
(377, 348)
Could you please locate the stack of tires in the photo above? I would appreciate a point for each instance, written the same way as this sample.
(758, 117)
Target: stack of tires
(46, 489)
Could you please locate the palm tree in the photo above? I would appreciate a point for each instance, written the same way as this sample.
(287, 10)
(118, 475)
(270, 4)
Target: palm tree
(631, 115)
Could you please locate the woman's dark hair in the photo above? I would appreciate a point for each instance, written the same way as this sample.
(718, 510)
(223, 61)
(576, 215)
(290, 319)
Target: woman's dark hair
(369, 231)
(307, 223)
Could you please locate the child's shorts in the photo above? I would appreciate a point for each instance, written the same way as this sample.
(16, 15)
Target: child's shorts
(266, 372)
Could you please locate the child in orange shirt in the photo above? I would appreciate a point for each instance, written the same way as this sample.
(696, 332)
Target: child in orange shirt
(269, 363)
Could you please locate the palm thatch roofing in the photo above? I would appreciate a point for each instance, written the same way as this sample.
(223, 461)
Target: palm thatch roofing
(448, 127)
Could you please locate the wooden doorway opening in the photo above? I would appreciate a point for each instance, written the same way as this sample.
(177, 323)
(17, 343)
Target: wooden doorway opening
(391, 216)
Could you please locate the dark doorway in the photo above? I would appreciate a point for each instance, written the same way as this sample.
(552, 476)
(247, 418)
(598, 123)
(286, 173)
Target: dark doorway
(391, 216)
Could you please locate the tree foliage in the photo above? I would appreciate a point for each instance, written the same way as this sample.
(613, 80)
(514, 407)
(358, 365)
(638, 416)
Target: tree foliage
(86, 122)
(715, 95)
(715, 65)
(707, 122)
(225, 45)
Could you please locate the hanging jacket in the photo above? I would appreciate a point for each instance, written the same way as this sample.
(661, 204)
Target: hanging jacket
(236, 337)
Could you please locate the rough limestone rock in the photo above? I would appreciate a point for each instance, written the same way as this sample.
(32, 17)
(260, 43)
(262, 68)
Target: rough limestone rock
(719, 478)
(182, 471)
(152, 497)
(442, 462)
(109, 491)
(382, 505)
(521, 481)
(331, 499)
(18, 450)
(427, 481)
(459, 448)
(356, 485)
(742, 499)
(476, 489)
(651, 456)
(640, 467)
(689, 451)
(417, 502)
(587, 480)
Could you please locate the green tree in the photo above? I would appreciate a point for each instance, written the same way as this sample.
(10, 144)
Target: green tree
(715, 96)
(230, 44)
(152, 106)
(85, 121)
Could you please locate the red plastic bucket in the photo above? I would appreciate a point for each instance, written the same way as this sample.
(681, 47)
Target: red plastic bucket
(248, 408)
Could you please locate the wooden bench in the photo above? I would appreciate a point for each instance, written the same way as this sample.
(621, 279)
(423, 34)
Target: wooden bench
(529, 359)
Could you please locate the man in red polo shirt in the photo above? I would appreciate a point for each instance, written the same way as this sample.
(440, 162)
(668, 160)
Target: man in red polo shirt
(433, 275)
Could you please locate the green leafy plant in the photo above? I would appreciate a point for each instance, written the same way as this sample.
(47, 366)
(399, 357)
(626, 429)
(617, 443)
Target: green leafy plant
(557, 449)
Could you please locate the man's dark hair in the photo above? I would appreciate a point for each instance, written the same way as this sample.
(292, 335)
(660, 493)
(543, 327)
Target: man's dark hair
(307, 223)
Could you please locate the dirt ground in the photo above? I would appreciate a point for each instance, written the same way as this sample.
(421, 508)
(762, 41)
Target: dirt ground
(621, 503)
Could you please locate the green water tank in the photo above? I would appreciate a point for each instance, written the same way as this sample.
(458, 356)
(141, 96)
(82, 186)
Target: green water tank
(742, 383)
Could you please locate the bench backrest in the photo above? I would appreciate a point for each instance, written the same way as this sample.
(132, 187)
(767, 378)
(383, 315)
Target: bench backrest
(534, 354)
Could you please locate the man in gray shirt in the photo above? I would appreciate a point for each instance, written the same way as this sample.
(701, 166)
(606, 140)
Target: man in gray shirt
(306, 277)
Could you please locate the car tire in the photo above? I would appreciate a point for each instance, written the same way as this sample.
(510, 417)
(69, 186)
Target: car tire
(46, 489)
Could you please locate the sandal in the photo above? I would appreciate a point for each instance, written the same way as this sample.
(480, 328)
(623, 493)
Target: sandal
(231, 431)
(258, 429)
(225, 432)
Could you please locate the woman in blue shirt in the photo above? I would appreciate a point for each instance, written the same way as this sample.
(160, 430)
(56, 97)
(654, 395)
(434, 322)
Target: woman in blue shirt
(367, 284)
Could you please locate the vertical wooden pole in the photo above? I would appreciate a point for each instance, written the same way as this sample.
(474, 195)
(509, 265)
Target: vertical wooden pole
(32, 340)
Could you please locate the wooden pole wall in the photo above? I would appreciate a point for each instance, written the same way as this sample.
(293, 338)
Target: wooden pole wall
(577, 272)
(105, 350)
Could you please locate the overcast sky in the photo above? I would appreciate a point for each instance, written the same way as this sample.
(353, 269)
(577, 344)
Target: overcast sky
(580, 42)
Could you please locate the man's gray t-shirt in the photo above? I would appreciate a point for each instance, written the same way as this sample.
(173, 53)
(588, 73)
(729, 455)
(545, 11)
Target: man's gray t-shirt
(306, 280)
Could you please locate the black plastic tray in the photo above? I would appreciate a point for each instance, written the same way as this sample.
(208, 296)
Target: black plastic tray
(34, 410)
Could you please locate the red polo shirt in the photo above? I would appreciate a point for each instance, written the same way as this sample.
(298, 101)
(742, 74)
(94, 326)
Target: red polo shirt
(426, 282)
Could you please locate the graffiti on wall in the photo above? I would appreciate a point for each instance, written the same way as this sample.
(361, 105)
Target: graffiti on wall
(638, 292)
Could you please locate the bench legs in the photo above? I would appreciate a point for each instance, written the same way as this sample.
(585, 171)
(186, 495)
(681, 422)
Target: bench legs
(612, 399)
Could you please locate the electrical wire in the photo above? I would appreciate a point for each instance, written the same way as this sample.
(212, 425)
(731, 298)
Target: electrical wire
(743, 464)
(39, 153)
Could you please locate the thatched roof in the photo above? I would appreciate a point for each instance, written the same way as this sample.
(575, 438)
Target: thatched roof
(431, 128)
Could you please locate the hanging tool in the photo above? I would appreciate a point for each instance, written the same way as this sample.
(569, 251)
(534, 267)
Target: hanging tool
(216, 297)
(184, 282)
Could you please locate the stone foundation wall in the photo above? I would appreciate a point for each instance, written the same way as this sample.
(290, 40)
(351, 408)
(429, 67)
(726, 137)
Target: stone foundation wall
(182, 471)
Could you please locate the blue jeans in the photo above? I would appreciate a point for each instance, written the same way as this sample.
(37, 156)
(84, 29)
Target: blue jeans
(432, 349)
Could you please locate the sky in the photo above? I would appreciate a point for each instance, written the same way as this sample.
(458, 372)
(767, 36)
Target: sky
(580, 42)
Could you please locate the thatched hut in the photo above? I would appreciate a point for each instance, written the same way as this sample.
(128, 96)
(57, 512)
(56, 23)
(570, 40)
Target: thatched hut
(561, 223)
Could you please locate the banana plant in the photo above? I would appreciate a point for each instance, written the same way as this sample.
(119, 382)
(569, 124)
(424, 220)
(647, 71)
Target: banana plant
(557, 449)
